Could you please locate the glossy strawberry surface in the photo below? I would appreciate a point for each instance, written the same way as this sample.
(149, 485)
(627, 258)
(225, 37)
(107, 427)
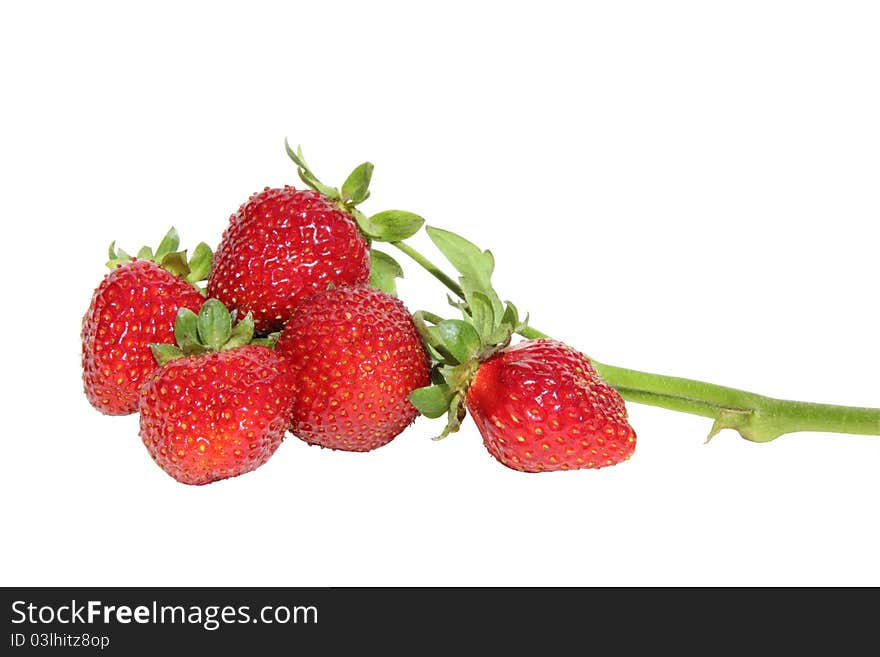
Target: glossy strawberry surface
(355, 355)
(540, 405)
(219, 415)
(134, 305)
(281, 247)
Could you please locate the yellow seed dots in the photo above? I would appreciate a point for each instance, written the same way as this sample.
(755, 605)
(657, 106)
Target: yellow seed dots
(520, 439)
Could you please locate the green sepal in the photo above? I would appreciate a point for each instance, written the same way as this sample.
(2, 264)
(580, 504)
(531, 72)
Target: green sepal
(268, 341)
(176, 263)
(474, 265)
(169, 244)
(454, 416)
(306, 174)
(186, 328)
(501, 334)
(116, 256)
(200, 263)
(168, 257)
(390, 225)
(242, 333)
(384, 270)
(356, 188)
(432, 401)
(165, 352)
(214, 325)
(482, 316)
(459, 338)
(511, 314)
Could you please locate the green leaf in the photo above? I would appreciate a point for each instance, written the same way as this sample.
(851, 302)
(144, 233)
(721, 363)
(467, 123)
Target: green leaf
(214, 325)
(501, 334)
(474, 265)
(117, 257)
(200, 263)
(176, 263)
(392, 225)
(145, 253)
(482, 314)
(169, 243)
(241, 333)
(268, 341)
(454, 417)
(165, 352)
(511, 315)
(383, 271)
(431, 401)
(306, 174)
(459, 338)
(186, 328)
(355, 189)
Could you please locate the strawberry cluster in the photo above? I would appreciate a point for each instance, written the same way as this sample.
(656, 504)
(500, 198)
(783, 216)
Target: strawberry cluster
(299, 329)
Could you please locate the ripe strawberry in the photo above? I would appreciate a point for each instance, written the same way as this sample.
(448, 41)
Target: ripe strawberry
(281, 247)
(217, 407)
(540, 405)
(135, 305)
(355, 356)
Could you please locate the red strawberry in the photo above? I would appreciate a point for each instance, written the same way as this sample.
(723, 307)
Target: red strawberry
(540, 405)
(220, 411)
(282, 246)
(135, 305)
(355, 356)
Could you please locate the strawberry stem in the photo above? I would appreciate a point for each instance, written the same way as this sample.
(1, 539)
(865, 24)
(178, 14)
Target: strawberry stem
(755, 417)
(431, 268)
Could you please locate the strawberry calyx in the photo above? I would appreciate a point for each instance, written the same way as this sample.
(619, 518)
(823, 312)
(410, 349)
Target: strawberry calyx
(214, 329)
(389, 226)
(458, 346)
(193, 270)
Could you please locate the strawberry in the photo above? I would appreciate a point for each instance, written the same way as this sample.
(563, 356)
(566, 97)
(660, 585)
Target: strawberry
(354, 356)
(284, 245)
(217, 407)
(135, 305)
(540, 405)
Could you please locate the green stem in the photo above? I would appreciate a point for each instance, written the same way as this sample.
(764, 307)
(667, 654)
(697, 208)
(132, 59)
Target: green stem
(755, 417)
(432, 269)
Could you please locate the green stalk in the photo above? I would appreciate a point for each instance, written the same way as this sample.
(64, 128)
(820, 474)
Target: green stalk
(755, 417)
(433, 269)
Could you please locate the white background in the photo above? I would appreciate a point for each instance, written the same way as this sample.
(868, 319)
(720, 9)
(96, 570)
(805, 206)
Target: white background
(683, 187)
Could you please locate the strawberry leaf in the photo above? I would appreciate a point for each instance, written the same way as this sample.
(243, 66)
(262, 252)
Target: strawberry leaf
(459, 338)
(306, 174)
(383, 271)
(431, 401)
(186, 328)
(482, 314)
(214, 324)
(165, 352)
(200, 263)
(390, 225)
(474, 265)
(355, 189)
(176, 263)
(169, 243)
(242, 333)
